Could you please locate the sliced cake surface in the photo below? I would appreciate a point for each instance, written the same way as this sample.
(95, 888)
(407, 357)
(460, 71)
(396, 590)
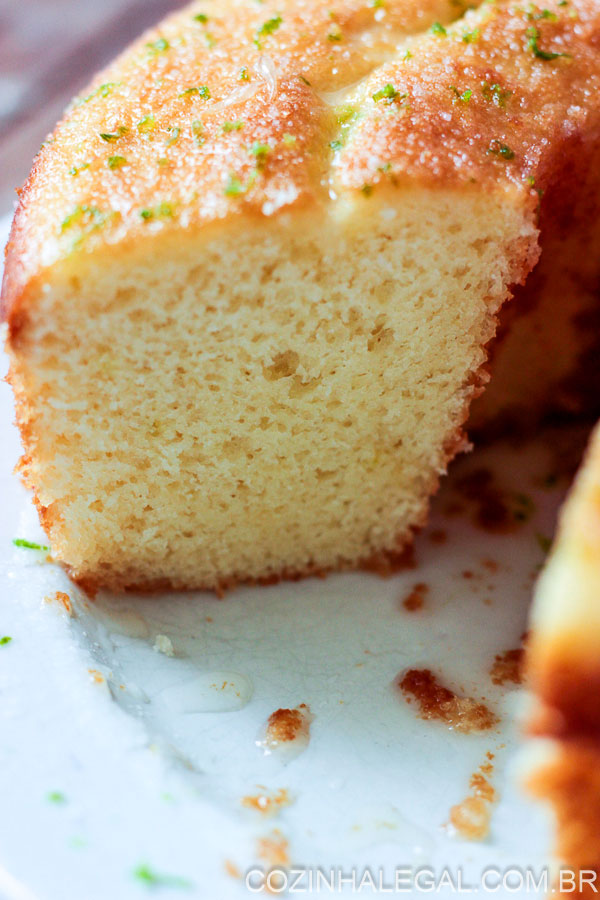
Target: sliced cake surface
(254, 271)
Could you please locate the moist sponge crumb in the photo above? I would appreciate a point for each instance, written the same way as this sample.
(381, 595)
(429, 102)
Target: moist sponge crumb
(226, 409)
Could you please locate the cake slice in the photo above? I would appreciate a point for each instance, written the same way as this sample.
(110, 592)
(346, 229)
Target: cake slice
(254, 271)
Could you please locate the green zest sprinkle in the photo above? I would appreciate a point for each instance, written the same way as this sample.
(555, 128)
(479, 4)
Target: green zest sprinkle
(334, 36)
(289, 139)
(367, 189)
(499, 149)
(234, 187)
(77, 842)
(336, 145)
(232, 126)
(56, 797)
(201, 17)
(266, 29)
(346, 114)
(116, 162)
(103, 91)
(162, 211)
(75, 170)
(198, 132)
(304, 80)
(438, 29)
(495, 93)
(5, 640)
(376, 4)
(151, 878)
(533, 36)
(88, 218)
(159, 46)
(174, 131)
(388, 92)
(260, 153)
(202, 91)
(408, 55)
(243, 76)
(533, 14)
(146, 125)
(464, 97)
(110, 138)
(29, 545)
(469, 37)
(524, 507)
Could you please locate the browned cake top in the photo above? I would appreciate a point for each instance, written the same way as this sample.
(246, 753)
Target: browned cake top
(235, 108)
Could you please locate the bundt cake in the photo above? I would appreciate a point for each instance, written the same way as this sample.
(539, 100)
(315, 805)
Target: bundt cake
(253, 274)
(564, 668)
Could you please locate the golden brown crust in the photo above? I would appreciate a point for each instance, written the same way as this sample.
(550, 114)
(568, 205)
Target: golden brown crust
(568, 685)
(182, 162)
(384, 564)
(151, 92)
(522, 112)
(570, 781)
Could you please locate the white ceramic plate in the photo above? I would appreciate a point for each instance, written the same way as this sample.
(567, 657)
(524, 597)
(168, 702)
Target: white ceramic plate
(144, 763)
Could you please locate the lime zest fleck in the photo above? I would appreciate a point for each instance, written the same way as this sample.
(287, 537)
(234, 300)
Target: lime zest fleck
(524, 507)
(174, 131)
(533, 36)
(75, 170)
(497, 148)
(163, 210)
(267, 28)
(260, 152)
(233, 186)
(438, 29)
(198, 132)
(495, 93)
(147, 124)
(103, 91)
(5, 640)
(388, 92)
(464, 97)
(158, 46)
(202, 91)
(110, 138)
(151, 878)
(116, 162)
(232, 126)
(30, 545)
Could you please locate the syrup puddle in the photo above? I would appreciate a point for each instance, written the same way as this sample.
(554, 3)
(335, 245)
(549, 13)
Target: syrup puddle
(207, 692)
